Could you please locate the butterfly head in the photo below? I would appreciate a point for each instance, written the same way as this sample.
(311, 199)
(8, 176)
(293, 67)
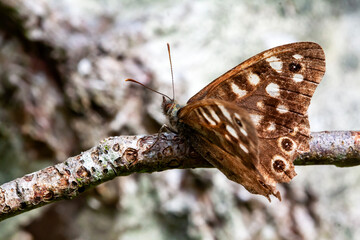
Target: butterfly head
(171, 108)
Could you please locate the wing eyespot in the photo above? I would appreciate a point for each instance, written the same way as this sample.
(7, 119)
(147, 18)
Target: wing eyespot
(294, 67)
(263, 184)
(238, 122)
(287, 144)
(279, 165)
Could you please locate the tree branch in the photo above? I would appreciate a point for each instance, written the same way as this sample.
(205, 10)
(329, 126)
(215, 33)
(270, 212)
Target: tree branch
(124, 155)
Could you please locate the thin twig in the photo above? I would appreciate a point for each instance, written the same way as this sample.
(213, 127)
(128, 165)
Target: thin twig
(124, 155)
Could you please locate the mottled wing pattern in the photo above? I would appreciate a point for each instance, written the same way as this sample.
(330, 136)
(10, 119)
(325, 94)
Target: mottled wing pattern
(224, 134)
(275, 87)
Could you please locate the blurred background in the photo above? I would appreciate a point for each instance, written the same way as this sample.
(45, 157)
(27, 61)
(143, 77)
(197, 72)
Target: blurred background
(62, 66)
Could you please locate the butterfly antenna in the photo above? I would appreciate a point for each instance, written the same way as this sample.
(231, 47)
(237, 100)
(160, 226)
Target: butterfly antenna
(134, 81)
(172, 74)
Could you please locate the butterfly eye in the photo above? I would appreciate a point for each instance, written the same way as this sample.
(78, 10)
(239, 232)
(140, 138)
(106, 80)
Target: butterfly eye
(294, 67)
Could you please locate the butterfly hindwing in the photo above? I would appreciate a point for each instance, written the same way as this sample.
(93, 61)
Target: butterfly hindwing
(224, 134)
(275, 87)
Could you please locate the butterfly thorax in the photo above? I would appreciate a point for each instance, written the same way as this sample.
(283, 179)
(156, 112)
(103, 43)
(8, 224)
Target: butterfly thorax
(171, 108)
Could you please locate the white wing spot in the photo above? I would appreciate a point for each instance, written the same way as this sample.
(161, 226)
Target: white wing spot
(225, 112)
(298, 78)
(256, 118)
(239, 92)
(254, 79)
(275, 63)
(295, 131)
(273, 90)
(297, 56)
(243, 132)
(227, 137)
(260, 105)
(232, 131)
(282, 109)
(271, 127)
(237, 116)
(214, 115)
(202, 112)
(243, 148)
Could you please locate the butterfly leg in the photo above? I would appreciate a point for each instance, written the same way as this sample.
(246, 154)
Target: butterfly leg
(163, 127)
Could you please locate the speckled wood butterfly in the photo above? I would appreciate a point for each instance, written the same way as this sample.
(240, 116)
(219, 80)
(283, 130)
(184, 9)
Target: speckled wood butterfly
(252, 122)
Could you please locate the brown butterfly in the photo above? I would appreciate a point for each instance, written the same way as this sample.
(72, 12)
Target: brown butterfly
(252, 122)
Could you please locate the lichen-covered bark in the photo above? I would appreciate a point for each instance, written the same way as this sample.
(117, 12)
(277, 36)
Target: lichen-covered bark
(339, 148)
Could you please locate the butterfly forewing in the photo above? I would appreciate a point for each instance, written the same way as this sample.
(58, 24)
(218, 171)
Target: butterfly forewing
(275, 87)
(224, 134)
(247, 74)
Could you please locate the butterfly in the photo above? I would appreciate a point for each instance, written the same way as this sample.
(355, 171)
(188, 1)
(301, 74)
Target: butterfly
(251, 122)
